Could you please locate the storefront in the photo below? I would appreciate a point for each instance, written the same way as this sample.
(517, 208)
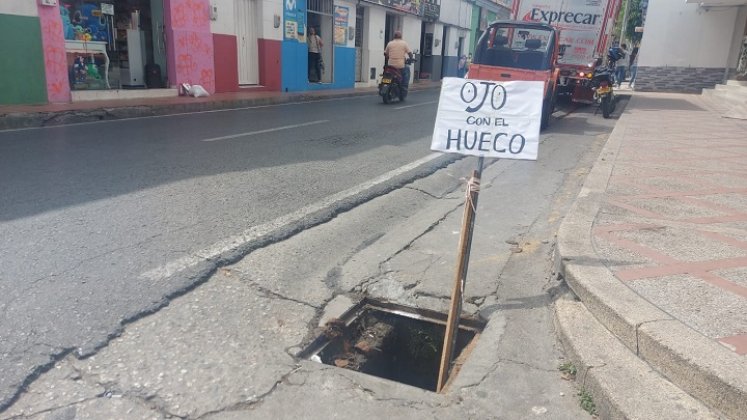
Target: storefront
(483, 13)
(116, 45)
(376, 21)
(331, 21)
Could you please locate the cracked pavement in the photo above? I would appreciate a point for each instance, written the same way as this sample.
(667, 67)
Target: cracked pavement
(226, 350)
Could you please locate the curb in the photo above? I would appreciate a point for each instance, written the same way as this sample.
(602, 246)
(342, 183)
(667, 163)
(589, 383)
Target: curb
(696, 364)
(11, 121)
(622, 385)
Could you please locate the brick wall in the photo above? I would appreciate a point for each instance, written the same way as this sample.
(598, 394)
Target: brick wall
(677, 79)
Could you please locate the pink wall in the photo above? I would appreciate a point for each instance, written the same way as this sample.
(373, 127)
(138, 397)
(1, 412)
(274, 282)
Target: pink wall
(55, 61)
(190, 58)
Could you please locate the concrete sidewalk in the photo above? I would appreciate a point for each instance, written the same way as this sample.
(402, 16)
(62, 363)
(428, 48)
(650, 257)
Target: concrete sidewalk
(26, 116)
(655, 247)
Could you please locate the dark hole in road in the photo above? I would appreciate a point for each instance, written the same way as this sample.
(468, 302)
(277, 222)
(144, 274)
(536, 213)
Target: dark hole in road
(392, 342)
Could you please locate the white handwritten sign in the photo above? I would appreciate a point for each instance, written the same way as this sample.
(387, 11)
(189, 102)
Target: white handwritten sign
(489, 118)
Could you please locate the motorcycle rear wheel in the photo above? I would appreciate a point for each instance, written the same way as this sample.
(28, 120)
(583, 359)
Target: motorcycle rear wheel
(384, 92)
(606, 106)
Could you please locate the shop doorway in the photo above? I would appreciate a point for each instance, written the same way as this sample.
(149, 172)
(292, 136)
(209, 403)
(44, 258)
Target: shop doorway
(115, 44)
(392, 24)
(444, 50)
(246, 37)
(359, 16)
(320, 17)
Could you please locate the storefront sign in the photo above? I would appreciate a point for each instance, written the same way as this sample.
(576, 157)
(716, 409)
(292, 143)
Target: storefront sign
(408, 6)
(431, 10)
(341, 24)
(489, 118)
(293, 18)
(107, 9)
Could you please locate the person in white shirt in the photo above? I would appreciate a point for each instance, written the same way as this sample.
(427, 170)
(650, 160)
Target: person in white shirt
(621, 68)
(396, 52)
(315, 53)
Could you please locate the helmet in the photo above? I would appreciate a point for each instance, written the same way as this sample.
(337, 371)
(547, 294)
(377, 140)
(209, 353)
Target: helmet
(615, 54)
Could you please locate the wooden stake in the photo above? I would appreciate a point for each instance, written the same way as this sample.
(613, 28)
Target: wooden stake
(465, 245)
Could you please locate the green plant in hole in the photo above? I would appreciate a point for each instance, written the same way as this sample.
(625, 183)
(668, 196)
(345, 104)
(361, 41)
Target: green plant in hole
(568, 370)
(587, 402)
(422, 344)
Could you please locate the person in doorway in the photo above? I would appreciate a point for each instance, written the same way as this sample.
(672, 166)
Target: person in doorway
(396, 52)
(462, 67)
(315, 56)
(621, 67)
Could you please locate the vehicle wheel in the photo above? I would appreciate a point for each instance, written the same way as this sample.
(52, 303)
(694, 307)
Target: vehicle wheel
(606, 106)
(546, 111)
(393, 94)
(402, 94)
(384, 92)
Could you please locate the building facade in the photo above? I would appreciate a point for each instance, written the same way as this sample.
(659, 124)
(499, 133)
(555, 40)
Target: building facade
(484, 12)
(691, 45)
(73, 50)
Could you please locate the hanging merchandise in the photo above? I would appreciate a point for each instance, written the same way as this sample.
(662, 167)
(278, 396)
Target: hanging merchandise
(84, 21)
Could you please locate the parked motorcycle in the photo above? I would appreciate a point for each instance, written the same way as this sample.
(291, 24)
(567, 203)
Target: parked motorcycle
(602, 81)
(392, 85)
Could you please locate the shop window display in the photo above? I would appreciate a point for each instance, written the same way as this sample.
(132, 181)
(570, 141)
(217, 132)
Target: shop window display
(109, 44)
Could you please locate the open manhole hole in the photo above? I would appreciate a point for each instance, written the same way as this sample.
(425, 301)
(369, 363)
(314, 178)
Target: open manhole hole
(393, 342)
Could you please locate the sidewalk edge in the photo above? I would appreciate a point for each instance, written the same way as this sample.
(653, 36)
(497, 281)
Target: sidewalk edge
(21, 120)
(622, 385)
(701, 367)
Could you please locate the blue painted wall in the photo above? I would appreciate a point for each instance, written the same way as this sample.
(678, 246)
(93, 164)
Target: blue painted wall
(294, 71)
(450, 65)
(296, 64)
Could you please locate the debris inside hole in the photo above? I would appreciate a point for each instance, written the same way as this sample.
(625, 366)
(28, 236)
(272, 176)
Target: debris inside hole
(390, 346)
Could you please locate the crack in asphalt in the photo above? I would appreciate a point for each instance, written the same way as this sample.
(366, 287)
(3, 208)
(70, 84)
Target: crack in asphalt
(487, 373)
(53, 409)
(256, 400)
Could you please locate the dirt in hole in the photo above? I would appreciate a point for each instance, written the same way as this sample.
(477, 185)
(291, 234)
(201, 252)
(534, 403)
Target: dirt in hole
(390, 346)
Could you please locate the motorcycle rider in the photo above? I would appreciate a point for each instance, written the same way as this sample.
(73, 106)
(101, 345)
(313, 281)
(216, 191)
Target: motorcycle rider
(396, 52)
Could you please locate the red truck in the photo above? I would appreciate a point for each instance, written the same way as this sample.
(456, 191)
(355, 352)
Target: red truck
(512, 50)
(584, 28)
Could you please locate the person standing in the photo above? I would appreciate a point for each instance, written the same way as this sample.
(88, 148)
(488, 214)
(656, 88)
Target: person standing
(633, 70)
(620, 69)
(396, 52)
(462, 67)
(315, 53)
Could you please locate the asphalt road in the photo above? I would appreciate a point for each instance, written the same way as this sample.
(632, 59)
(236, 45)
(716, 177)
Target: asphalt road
(93, 216)
(92, 213)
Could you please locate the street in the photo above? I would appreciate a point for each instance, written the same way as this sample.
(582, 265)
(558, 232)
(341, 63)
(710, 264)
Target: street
(103, 224)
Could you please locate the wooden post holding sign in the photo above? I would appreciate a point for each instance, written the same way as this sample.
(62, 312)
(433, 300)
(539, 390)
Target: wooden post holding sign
(487, 119)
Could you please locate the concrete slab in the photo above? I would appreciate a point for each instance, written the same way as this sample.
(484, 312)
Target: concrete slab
(712, 311)
(622, 385)
(215, 347)
(702, 367)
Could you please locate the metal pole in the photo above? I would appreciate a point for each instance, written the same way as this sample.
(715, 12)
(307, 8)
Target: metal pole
(460, 280)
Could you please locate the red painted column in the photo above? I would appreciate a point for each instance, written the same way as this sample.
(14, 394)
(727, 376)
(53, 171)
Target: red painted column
(189, 43)
(55, 61)
(269, 63)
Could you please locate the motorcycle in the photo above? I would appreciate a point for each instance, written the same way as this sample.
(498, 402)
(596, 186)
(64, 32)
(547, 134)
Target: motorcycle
(392, 85)
(602, 81)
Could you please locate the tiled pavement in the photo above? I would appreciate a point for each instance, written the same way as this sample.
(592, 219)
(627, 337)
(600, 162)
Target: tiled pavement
(655, 248)
(674, 225)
